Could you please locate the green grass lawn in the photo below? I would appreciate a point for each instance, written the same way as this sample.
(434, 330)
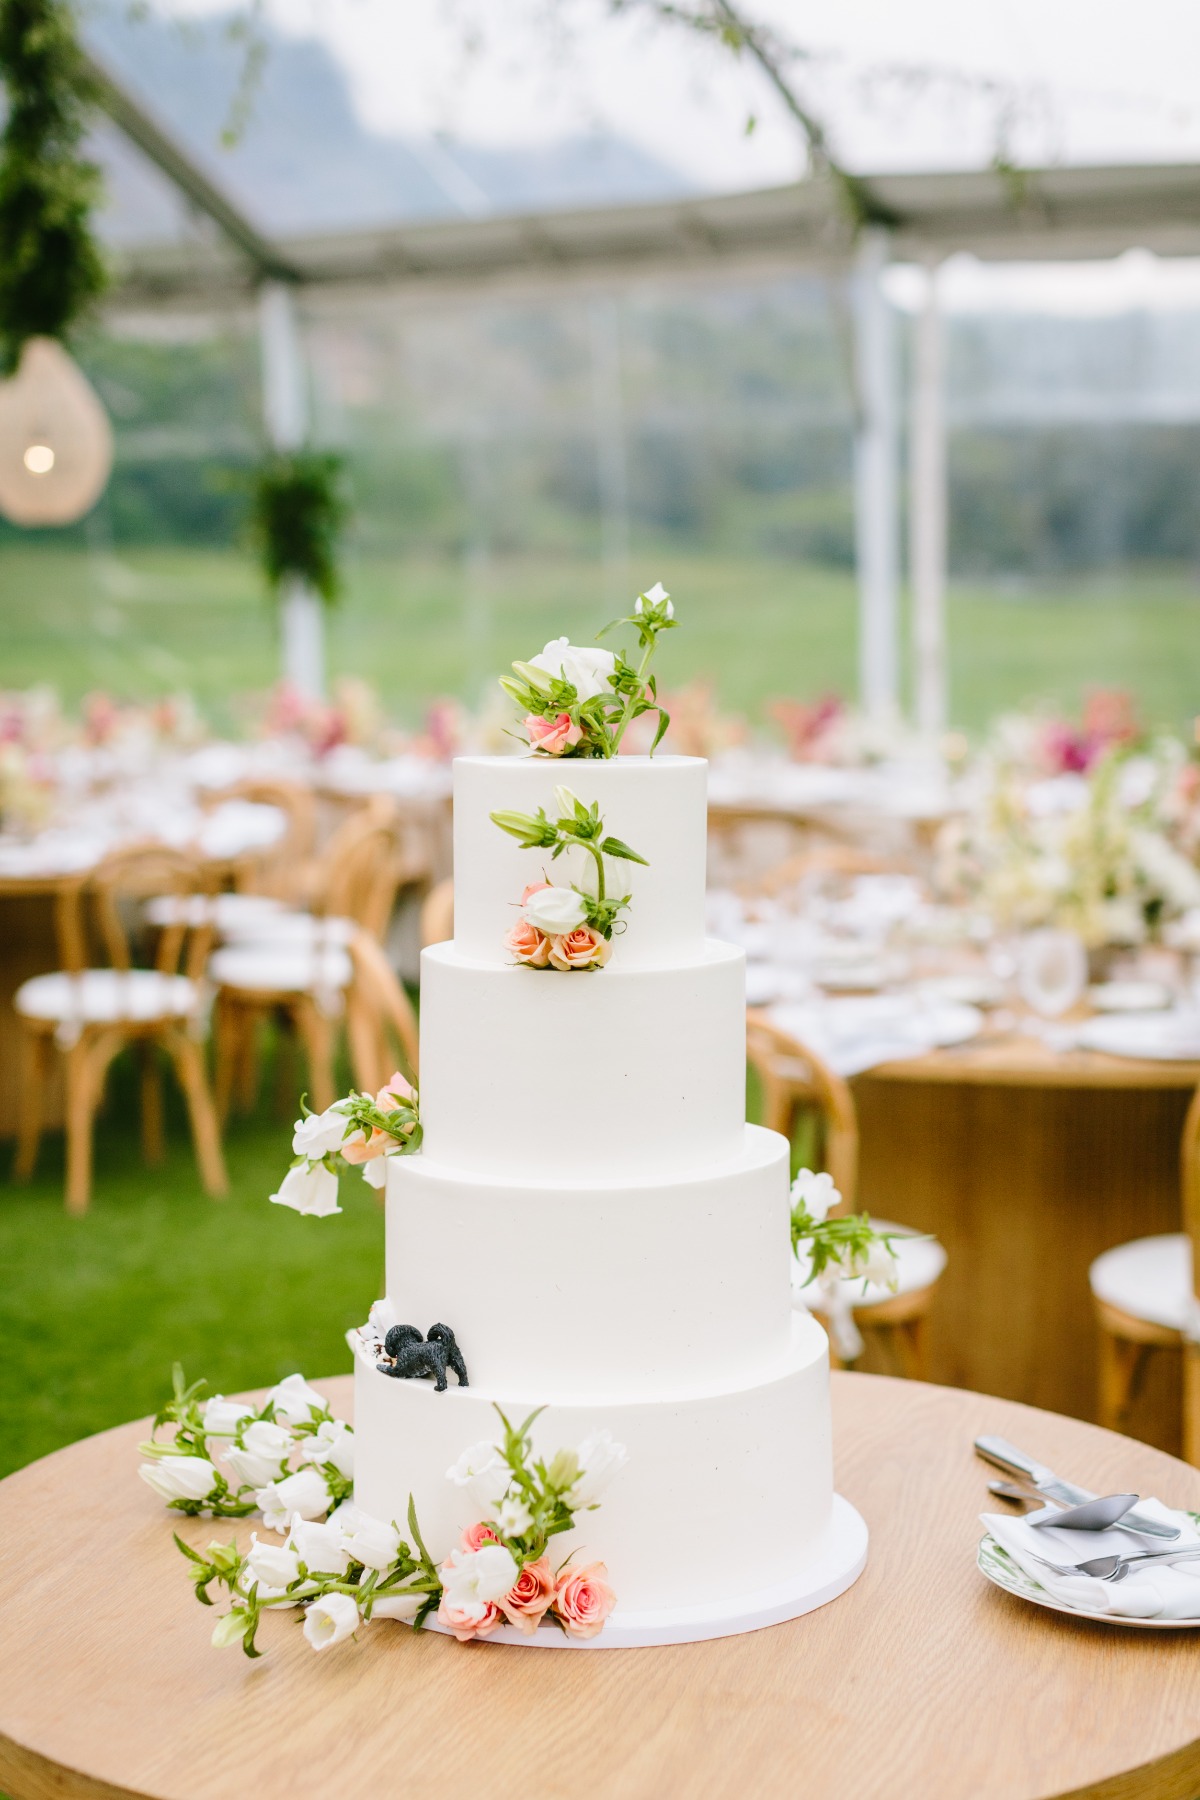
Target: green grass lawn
(153, 620)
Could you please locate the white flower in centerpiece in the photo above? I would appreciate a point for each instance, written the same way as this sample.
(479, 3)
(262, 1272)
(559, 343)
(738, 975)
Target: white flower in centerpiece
(880, 1266)
(333, 1442)
(587, 670)
(309, 1188)
(319, 1134)
(180, 1477)
(600, 1457)
(473, 1579)
(273, 1566)
(260, 1457)
(655, 595)
(816, 1193)
(305, 1493)
(513, 1516)
(375, 1173)
(321, 1548)
(222, 1417)
(330, 1621)
(295, 1401)
(555, 910)
(371, 1542)
(483, 1472)
(398, 1606)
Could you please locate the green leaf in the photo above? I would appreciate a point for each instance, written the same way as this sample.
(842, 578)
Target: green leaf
(613, 846)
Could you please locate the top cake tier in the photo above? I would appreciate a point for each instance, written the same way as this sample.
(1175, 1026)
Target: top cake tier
(658, 806)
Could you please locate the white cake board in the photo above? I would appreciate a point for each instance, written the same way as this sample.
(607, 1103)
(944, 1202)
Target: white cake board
(835, 1563)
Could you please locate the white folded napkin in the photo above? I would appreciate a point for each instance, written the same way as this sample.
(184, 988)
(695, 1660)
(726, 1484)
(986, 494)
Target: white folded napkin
(1157, 1590)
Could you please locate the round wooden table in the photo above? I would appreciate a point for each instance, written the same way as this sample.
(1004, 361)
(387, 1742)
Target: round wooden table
(922, 1680)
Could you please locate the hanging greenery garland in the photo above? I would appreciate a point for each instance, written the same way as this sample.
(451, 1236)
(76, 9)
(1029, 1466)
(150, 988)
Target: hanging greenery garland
(51, 269)
(299, 512)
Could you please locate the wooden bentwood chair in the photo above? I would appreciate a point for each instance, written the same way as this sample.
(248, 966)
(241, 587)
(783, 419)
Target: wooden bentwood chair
(87, 1015)
(1144, 1294)
(795, 1081)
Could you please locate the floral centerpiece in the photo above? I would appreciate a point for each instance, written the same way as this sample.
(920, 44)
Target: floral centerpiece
(361, 1131)
(561, 927)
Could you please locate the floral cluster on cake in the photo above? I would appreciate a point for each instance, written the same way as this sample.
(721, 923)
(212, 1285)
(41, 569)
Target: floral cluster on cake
(567, 927)
(580, 701)
(833, 1251)
(363, 1131)
(293, 1462)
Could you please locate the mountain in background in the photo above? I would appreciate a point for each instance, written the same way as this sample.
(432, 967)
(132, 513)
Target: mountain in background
(305, 162)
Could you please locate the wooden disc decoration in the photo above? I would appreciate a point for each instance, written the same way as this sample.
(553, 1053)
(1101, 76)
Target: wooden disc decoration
(56, 444)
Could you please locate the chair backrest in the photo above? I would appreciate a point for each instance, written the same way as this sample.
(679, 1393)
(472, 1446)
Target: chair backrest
(362, 867)
(793, 1077)
(277, 867)
(142, 872)
(381, 1025)
(437, 914)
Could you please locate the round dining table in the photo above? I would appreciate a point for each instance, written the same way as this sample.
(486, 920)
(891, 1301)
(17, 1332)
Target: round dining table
(922, 1679)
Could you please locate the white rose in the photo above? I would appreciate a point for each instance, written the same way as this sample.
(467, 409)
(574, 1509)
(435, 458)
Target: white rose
(329, 1621)
(513, 1516)
(586, 670)
(309, 1189)
(372, 1543)
(304, 1493)
(483, 1472)
(555, 910)
(295, 1401)
(332, 1443)
(398, 1606)
(222, 1417)
(600, 1457)
(180, 1477)
(319, 1134)
(471, 1579)
(816, 1193)
(272, 1566)
(319, 1547)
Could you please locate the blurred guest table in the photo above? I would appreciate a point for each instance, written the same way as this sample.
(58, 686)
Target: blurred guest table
(922, 1679)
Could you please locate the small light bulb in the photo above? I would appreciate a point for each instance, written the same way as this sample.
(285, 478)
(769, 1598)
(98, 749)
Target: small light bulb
(39, 459)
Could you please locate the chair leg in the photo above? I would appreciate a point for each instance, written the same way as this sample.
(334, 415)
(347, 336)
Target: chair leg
(911, 1339)
(153, 1144)
(206, 1134)
(79, 1126)
(34, 1069)
(1121, 1363)
(1191, 1403)
(246, 1074)
(226, 1016)
(317, 1033)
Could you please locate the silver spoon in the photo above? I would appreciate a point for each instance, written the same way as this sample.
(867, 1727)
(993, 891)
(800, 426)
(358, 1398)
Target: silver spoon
(1093, 1515)
(1115, 1568)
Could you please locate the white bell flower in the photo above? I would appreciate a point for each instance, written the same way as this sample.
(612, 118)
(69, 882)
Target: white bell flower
(222, 1417)
(330, 1621)
(309, 1188)
(318, 1135)
(816, 1193)
(372, 1543)
(600, 1458)
(294, 1401)
(321, 1548)
(333, 1442)
(472, 1579)
(483, 1472)
(273, 1566)
(655, 595)
(304, 1493)
(180, 1477)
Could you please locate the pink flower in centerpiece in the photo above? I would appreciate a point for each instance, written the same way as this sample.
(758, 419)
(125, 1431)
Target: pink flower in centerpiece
(474, 1536)
(583, 1599)
(535, 887)
(460, 1621)
(582, 948)
(554, 736)
(394, 1092)
(531, 1596)
(358, 1148)
(528, 944)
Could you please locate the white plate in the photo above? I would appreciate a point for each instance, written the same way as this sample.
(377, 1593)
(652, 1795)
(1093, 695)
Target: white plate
(1155, 1036)
(997, 1566)
(1129, 996)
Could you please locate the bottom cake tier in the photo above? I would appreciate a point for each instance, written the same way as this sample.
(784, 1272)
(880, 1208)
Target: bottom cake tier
(725, 1497)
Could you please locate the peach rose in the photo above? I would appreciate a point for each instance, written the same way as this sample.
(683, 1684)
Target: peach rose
(580, 949)
(535, 887)
(528, 944)
(530, 1597)
(475, 1535)
(394, 1092)
(464, 1627)
(361, 1149)
(583, 1600)
(553, 735)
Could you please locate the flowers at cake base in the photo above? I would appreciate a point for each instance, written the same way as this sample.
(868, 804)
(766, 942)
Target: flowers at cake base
(359, 1131)
(560, 927)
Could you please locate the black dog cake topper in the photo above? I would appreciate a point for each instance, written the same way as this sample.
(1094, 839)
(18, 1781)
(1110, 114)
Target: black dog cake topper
(413, 1356)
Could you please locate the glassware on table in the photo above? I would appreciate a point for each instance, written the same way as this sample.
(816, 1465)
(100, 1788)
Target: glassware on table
(1052, 972)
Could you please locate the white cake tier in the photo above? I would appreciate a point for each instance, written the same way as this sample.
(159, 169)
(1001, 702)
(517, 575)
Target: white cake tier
(722, 1496)
(655, 805)
(533, 1075)
(576, 1288)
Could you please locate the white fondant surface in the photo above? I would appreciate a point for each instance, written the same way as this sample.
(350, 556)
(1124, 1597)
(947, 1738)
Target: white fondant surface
(572, 1290)
(533, 1074)
(655, 805)
(722, 1496)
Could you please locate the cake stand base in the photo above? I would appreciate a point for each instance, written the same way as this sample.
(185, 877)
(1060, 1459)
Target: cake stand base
(836, 1561)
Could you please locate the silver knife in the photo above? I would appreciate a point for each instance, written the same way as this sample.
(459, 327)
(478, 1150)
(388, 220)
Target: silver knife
(1006, 1456)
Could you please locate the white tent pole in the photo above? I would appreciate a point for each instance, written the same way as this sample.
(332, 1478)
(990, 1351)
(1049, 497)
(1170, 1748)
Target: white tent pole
(604, 327)
(285, 414)
(875, 482)
(927, 515)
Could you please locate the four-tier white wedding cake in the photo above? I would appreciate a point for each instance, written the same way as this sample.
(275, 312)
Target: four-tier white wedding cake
(604, 1233)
